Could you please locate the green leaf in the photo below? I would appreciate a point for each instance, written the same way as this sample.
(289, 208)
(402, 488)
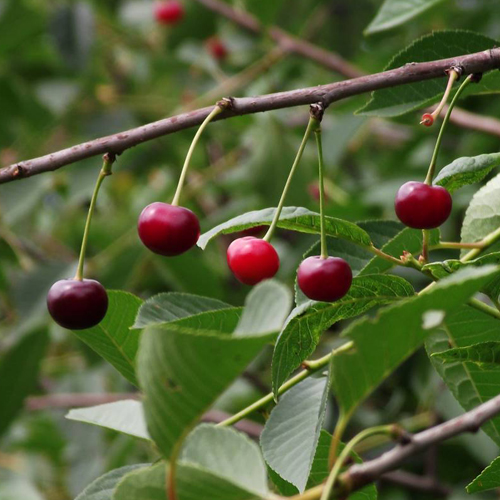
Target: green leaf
(382, 343)
(469, 383)
(229, 455)
(192, 483)
(307, 322)
(185, 365)
(266, 12)
(487, 480)
(320, 471)
(483, 214)
(167, 307)
(466, 170)
(125, 416)
(293, 218)
(440, 270)
(19, 367)
(103, 487)
(485, 354)
(112, 338)
(291, 434)
(409, 240)
(397, 101)
(396, 12)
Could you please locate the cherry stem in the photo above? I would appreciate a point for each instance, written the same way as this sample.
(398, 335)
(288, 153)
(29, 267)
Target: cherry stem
(324, 249)
(108, 160)
(487, 241)
(456, 245)
(426, 235)
(310, 126)
(386, 430)
(453, 77)
(432, 166)
(219, 107)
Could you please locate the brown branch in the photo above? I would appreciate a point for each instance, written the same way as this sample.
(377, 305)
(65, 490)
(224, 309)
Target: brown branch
(479, 62)
(333, 61)
(424, 484)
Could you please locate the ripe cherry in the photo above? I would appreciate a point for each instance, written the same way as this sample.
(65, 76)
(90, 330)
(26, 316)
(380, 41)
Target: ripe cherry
(217, 48)
(168, 229)
(168, 12)
(252, 260)
(77, 304)
(325, 279)
(421, 206)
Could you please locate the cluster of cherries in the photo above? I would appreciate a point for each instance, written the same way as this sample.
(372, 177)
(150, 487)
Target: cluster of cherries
(171, 12)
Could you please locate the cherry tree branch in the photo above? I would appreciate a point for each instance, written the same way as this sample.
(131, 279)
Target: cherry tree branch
(478, 62)
(332, 60)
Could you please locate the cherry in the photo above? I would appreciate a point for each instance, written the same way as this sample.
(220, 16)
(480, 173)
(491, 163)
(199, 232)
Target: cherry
(216, 48)
(421, 206)
(326, 279)
(168, 229)
(252, 260)
(77, 304)
(168, 12)
(427, 120)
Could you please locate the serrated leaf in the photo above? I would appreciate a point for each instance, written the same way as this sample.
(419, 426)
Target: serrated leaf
(487, 480)
(293, 218)
(384, 342)
(19, 367)
(112, 338)
(440, 270)
(485, 354)
(171, 306)
(185, 365)
(125, 416)
(483, 214)
(466, 170)
(469, 383)
(103, 487)
(291, 433)
(396, 12)
(300, 335)
(397, 101)
(227, 454)
(409, 240)
(320, 471)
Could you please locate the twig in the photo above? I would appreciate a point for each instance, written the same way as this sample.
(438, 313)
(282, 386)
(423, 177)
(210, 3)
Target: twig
(479, 62)
(423, 484)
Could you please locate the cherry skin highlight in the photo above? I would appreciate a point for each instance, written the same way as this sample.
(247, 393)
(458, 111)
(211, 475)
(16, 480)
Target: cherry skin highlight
(77, 304)
(421, 206)
(324, 279)
(167, 229)
(252, 260)
(168, 12)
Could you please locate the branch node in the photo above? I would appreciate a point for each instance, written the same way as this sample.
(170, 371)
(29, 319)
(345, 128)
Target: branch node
(401, 435)
(226, 103)
(476, 77)
(459, 70)
(19, 172)
(317, 110)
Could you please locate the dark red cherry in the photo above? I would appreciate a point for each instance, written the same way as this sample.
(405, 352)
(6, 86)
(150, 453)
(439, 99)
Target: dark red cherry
(421, 206)
(217, 48)
(324, 279)
(168, 12)
(252, 260)
(77, 304)
(167, 229)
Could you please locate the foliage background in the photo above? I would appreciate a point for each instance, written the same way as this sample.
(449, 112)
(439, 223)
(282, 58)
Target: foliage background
(73, 71)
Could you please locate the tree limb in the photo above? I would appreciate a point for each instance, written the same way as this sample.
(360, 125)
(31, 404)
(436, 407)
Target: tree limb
(478, 62)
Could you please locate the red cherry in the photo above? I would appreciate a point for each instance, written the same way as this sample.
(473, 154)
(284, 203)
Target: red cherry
(77, 304)
(427, 119)
(421, 206)
(252, 260)
(324, 279)
(168, 12)
(216, 48)
(167, 229)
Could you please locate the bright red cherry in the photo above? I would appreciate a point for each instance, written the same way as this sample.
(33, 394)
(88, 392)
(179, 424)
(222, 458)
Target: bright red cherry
(77, 304)
(167, 229)
(325, 279)
(252, 260)
(169, 12)
(217, 48)
(421, 206)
